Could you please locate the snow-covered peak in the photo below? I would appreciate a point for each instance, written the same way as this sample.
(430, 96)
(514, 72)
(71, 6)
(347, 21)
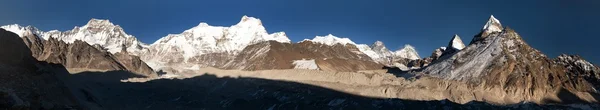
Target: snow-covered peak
(22, 31)
(279, 37)
(15, 28)
(99, 22)
(492, 25)
(206, 39)
(377, 44)
(203, 24)
(380, 48)
(249, 21)
(408, 52)
(456, 43)
(331, 40)
(101, 32)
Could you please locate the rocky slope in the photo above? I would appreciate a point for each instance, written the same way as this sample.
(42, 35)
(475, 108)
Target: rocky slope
(80, 56)
(276, 55)
(499, 59)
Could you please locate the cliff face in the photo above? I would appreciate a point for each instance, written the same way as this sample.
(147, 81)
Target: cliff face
(80, 56)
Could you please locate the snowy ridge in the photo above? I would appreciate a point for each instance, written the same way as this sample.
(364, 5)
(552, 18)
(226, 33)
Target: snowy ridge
(330, 40)
(23, 31)
(104, 33)
(368, 51)
(408, 52)
(205, 39)
(96, 31)
(492, 25)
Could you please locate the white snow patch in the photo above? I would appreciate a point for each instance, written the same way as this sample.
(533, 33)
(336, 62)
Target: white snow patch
(331, 40)
(368, 51)
(305, 64)
(206, 39)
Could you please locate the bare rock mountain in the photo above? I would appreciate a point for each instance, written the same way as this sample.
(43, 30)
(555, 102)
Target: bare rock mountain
(499, 61)
(91, 47)
(328, 57)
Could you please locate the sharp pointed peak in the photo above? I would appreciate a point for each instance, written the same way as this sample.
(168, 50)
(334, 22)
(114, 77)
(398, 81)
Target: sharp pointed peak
(492, 25)
(456, 43)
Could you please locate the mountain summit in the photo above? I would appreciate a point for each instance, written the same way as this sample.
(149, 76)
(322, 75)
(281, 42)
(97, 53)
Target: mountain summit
(501, 59)
(492, 25)
(408, 52)
(201, 45)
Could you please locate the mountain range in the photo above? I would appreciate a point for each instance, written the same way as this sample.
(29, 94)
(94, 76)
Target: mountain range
(216, 46)
(496, 67)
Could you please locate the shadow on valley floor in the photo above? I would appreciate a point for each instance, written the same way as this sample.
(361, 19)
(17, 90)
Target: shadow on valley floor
(398, 72)
(105, 90)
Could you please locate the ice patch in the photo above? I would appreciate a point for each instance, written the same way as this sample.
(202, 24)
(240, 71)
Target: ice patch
(305, 64)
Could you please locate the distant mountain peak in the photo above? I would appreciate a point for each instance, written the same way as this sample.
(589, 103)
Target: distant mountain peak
(408, 51)
(377, 44)
(456, 43)
(249, 21)
(330, 39)
(99, 22)
(23, 31)
(492, 25)
(203, 24)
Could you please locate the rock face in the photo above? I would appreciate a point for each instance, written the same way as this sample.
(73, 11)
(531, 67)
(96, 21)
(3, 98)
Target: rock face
(276, 55)
(25, 84)
(79, 55)
(498, 58)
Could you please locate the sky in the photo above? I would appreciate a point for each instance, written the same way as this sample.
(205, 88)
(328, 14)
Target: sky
(551, 26)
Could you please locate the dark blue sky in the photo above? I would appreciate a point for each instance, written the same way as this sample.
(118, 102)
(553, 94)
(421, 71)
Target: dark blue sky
(552, 26)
